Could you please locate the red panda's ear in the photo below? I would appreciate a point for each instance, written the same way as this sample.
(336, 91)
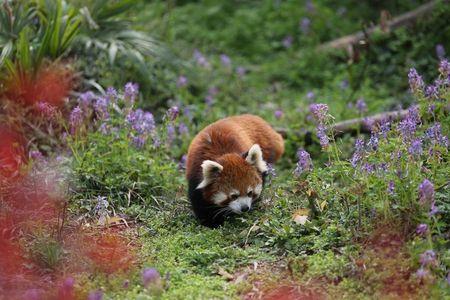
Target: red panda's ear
(255, 158)
(210, 170)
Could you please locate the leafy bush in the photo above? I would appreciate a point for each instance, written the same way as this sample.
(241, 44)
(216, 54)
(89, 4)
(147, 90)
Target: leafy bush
(122, 154)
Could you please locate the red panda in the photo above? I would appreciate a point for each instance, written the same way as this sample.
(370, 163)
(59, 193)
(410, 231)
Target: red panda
(227, 164)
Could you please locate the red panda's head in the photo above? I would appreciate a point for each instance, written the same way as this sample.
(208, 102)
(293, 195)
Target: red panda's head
(234, 181)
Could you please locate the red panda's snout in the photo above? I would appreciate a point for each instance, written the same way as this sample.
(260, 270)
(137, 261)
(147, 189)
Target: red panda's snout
(234, 181)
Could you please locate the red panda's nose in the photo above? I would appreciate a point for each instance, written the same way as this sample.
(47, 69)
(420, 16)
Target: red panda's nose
(245, 208)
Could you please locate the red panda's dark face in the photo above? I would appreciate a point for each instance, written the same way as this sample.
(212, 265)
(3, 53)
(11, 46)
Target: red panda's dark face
(234, 182)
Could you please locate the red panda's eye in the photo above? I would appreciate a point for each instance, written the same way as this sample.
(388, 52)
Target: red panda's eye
(250, 194)
(234, 197)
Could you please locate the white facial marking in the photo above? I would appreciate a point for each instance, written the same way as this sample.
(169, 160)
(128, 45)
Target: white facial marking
(255, 158)
(219, 197)
(258, 189)
(241, 202)
(209, 169)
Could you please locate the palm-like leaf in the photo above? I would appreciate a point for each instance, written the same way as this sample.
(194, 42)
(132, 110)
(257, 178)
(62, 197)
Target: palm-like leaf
(14, 19)
(105, 29)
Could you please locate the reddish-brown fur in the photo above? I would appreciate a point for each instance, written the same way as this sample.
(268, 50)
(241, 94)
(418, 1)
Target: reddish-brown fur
(226, 142)
(233, 135)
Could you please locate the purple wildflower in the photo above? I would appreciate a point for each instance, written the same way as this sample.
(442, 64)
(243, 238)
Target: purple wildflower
(440, 51)
(432, 92)
(444, 68)
(112, 94)
(421, 273)
(209, 100)
(368, 168)
(322, 135)
(183, 129)
(101, 108)
(142, 123)
(182, 162)
(428, 258)
(170, 133)
(75, 119)
(271, 170)
(385, 127)
(361, 105)
(278, 114)
(434, 134)
(95, 295)
(415, 149)
(241, 71)
(46, 109)
(433, 209)
(139, 141)
(173, 113)
(225, 60)
(426, 192)
(391, 187)
(422, 229)
(200, 59)
(357, 155)
(407, 128)
(36, 155)
(373, 141)
(305, 25)
(287, 41)
(150, 276)
(182, 81)
(131, 91)
(319, 111)
(304, 163)
(85, 100)
(187, 112)
(415, 81)
(310, 96)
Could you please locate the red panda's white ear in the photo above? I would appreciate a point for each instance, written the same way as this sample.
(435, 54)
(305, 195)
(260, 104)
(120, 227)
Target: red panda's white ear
(210, 170)
(255, 158)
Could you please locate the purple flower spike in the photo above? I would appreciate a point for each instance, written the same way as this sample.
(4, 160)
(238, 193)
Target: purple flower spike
(421, 273)
(444, 68)
(170, 133)
(323, 137)
(173, 113)
(361, 105)
(416, 147)
(101, 108)
(415, 81)
(422, 229)
(76, 119)
(428, 258)
(305, 24)
(278, 114)
(182, 81)
(225, 60)
(391, 187)
(85, 100)
(131, 91)
(36, 155)
(112, 94)
(150, 276)
(183, 129)
(304, 163)
(440, 51)
(426, 192)
(319, 111)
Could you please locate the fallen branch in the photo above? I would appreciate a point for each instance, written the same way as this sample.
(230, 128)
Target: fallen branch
(402, 20)
(352, 126)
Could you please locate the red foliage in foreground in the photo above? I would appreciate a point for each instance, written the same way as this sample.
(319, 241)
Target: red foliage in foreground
(30, 205)
(50, 84)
